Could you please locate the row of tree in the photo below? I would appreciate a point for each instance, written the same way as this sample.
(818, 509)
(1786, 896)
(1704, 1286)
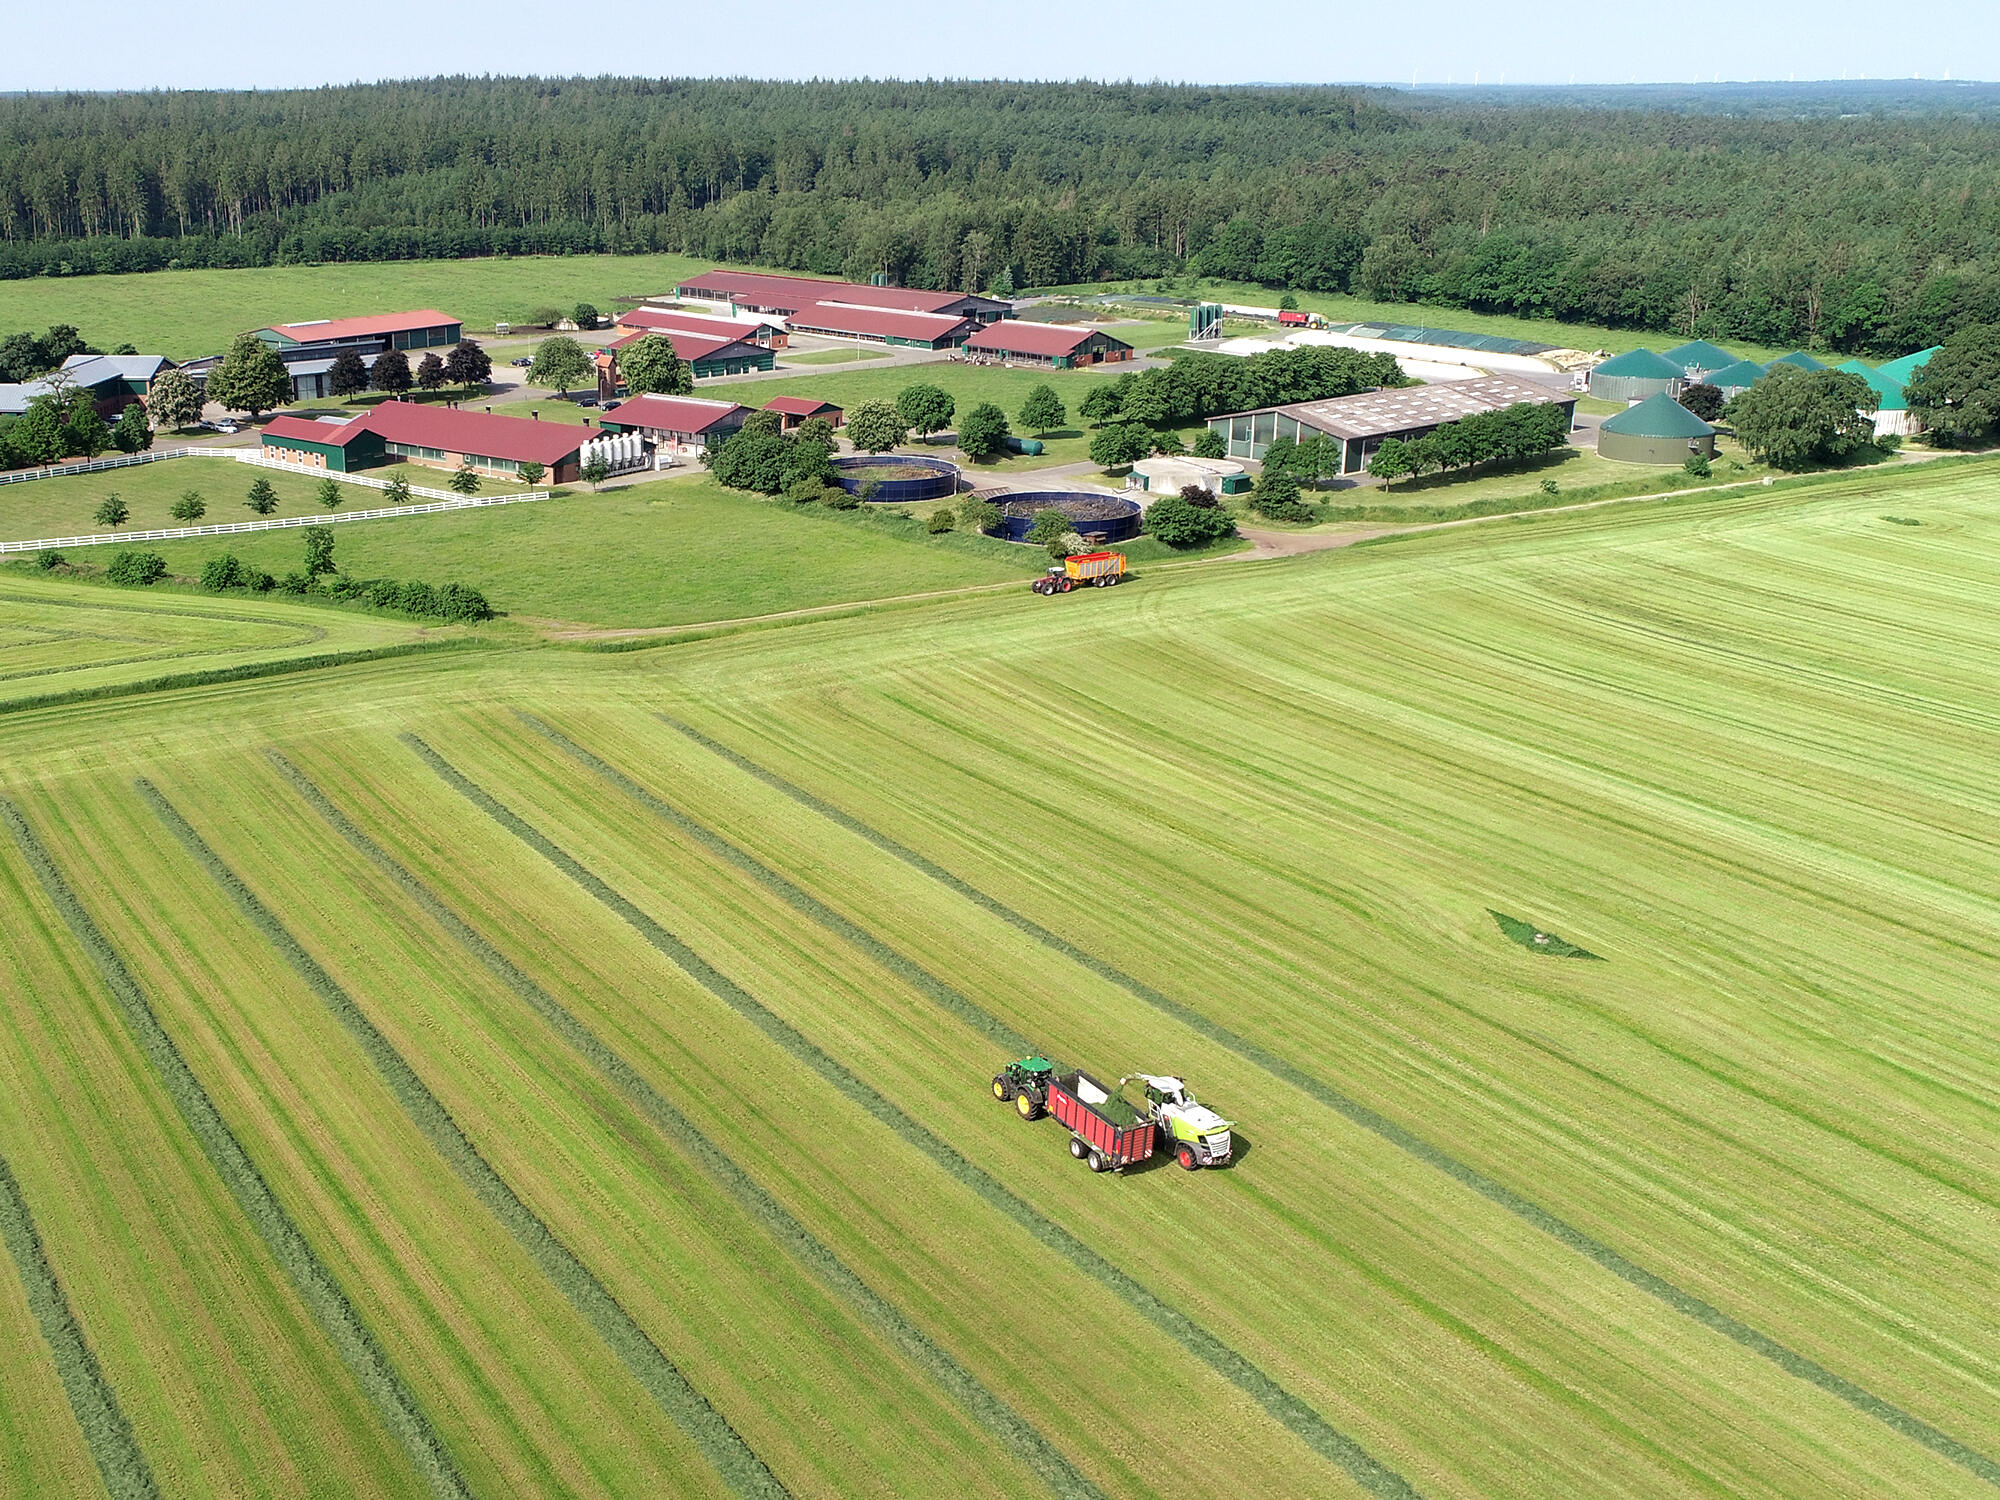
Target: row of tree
(1853, 228)
(1527, 429)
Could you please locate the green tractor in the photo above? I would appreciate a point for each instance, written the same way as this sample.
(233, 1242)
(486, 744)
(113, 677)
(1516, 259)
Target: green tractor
(1026, 1083)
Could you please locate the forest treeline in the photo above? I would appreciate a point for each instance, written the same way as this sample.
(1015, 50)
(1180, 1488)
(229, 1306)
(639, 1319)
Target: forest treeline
(1875, 232)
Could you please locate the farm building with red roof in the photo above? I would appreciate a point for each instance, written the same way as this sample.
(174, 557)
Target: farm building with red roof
(754, 291)
(438, 437)
(682, 425)
(424, 329)
(707, 354)
(670, 319)
(309, 349)
(793, 410)
(1056, 346)
(882, 325)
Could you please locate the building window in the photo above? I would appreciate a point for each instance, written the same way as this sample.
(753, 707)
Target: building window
(412, 450)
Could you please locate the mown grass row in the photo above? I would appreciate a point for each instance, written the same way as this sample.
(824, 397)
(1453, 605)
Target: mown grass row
(800, 1242)
(321, 1293)
(1400, 1136)
(720, 1443)
(120, 1463)
(244, 672)
(1332, 1444)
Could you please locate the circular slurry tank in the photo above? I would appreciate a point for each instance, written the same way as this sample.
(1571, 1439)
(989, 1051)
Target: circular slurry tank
(1097, 515)
(897, 477)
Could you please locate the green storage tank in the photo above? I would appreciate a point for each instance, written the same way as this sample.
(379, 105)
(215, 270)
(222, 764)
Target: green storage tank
(1635, 375)
(1659, 430)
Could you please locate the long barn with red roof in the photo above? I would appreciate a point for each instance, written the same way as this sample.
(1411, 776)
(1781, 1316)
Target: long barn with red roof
(438, 437)
(1056, 346)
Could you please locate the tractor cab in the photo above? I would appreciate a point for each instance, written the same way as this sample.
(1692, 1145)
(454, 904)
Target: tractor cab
(1025, 1084)
(1196, 1134)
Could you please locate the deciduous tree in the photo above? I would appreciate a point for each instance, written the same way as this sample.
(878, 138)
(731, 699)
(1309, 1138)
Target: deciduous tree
(250, 378)
(925, 408)
(1043, 410)
(559, 364)
(651, 367)
(876, 426)
(982, 431)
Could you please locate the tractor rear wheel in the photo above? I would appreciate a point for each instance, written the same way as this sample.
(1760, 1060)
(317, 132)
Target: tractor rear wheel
(1077, 1147)
(1026, 1105)
(1186, 1158)
(1002, 1090)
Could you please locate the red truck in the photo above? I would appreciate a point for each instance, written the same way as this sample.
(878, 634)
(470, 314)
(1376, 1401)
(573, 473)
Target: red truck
(1104, 1130)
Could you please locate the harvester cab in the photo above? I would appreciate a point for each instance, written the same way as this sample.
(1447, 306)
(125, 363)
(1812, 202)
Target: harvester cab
(1026, 1084)
(1196, 1134)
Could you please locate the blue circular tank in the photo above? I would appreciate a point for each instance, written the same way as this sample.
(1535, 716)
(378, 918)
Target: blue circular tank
(1096, 515)
(939, 481)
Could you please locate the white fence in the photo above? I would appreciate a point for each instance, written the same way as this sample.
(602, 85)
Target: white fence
(439, 500)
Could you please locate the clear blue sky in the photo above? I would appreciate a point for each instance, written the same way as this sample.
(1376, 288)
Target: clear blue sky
(204, 43)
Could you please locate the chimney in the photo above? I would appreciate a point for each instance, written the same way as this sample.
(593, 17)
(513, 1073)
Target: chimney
(536, 415)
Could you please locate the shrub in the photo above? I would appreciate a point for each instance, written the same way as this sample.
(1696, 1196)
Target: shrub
(48, 560)
(190, 506)
(461, 603)
(417, 598)
(1051, 529)
(465, 479)
(838, 497)
(1549, 487)
(136, 569)
(940, 521)
(1703, 399)
(978, 515)
(585, 316)
(1180, 523)
(1889, 442)
(530, 473)
(294, 582)
(319, 550)
(1277, 498)
(807, 489)
(1209, 443)
(1119, 444)
(133, 434)
(1698, 466)
(224, 572)
(112, 512)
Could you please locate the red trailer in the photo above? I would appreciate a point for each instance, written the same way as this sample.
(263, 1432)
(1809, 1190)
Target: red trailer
(1081, 1102)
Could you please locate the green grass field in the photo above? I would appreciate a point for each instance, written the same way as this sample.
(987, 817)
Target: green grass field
(182, 314)
(1340, 308)
(540, 1071)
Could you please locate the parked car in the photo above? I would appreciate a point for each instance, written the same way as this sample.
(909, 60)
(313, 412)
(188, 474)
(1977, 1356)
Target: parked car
(225, 424)
(523, 362)
(586, 400)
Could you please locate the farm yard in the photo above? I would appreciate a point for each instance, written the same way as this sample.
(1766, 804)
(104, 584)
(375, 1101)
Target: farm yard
(528, 1070)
